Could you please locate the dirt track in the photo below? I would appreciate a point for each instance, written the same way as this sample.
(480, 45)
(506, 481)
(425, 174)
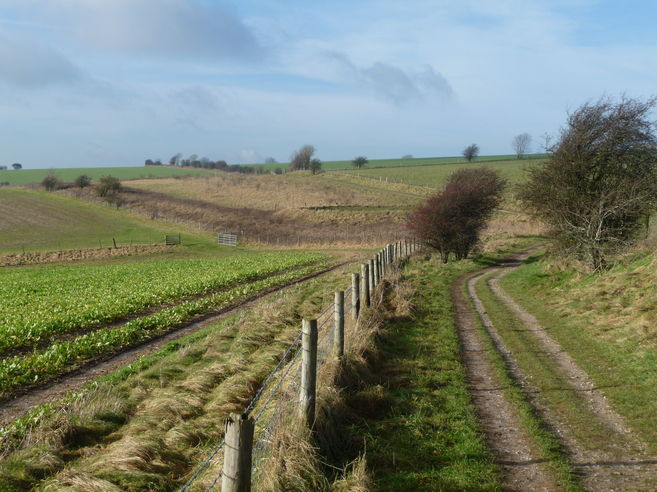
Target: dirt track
(619, 461)
(514, 451)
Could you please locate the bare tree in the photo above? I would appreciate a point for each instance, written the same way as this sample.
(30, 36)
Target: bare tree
(547, 139)
(175, 159)
(521, 144)
(471, 152)
(600, 185)
(301, 158)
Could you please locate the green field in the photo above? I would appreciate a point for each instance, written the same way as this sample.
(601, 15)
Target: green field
(415, 161)
(40, 221)
(57, 318)
(27, 176)
(436, 176)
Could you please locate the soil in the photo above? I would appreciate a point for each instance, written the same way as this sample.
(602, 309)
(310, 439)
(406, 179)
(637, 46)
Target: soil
(616, 462)
(38, 257)
(512, 448)
(75, 381)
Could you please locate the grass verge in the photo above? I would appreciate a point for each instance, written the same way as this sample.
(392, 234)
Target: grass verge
(596, 319)
(428, 438)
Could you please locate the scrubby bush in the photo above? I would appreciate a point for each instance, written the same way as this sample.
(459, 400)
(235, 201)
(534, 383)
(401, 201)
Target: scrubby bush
(50, 183)
(108, 185)
(451, 221)
(82, 181)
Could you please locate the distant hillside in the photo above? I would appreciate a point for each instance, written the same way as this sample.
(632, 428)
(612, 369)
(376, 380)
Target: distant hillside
(38, 221)
(27, 176)
(414, 161)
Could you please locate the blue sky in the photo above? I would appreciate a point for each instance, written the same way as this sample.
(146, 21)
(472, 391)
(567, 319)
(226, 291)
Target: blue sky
(113, 82)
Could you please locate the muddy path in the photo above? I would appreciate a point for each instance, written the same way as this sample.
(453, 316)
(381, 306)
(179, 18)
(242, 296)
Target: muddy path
(75, 380)
(615, 461)
(511, 446)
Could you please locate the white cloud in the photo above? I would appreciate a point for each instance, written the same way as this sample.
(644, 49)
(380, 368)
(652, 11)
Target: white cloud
(173, 29)
(28, 64)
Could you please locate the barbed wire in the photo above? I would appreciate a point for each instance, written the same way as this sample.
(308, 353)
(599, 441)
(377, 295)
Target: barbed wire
(202, 467)
(280, 364)
(274, 392)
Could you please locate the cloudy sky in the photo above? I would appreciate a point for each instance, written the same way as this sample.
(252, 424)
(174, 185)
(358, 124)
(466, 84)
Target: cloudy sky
(113, 82)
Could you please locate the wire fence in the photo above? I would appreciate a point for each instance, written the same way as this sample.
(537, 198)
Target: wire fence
(278, 395)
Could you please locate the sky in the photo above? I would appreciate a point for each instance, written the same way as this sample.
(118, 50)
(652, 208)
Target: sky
(115, 82)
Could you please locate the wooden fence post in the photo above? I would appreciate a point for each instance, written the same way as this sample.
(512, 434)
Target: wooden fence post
(377, 278)
(355, 296)
(236, 475)
(364, 285)
(338, 335)
(371, 278)
(308, 371)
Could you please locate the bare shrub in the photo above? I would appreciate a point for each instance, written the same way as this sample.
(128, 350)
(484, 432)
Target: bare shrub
(451, 221)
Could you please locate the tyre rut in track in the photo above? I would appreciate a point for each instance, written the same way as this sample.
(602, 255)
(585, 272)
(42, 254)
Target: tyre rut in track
(620, 461)
(513, 449)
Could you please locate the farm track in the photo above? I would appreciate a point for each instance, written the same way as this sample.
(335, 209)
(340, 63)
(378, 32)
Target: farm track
(116, 323)
(94, 368)
(617, 460)
(512, 447)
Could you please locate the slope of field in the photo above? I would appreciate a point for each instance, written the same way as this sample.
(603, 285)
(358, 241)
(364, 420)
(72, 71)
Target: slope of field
(435, 176)
(26, 176)
(37, 221)
(293, 208)
(414, 161)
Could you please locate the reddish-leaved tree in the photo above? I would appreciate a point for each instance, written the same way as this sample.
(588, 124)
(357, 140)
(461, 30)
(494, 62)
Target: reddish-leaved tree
(451, 221)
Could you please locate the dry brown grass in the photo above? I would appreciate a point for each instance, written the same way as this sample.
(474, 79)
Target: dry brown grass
(299, 458)
(80, 482)
(274, 192)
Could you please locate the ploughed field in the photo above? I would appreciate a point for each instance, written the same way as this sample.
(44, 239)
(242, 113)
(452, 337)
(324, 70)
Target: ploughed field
(54, 319)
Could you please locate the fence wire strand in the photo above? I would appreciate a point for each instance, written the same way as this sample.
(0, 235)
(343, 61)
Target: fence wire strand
(284, 394)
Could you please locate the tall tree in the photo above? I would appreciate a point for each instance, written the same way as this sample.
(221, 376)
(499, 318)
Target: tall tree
(598, 188)
(301, 158)
(471, 152)
(521, 144)
(359, 161)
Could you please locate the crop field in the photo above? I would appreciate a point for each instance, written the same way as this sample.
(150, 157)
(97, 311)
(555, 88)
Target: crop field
(435, 176)
(56, 317)
(38, 221)
(27, 176)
